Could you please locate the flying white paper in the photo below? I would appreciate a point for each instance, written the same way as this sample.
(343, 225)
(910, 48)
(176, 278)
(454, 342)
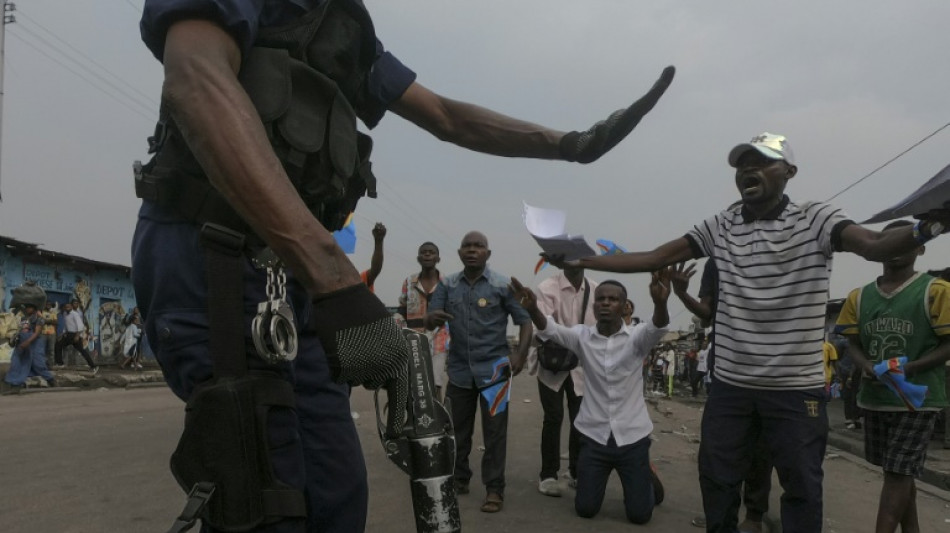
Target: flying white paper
(547, 228)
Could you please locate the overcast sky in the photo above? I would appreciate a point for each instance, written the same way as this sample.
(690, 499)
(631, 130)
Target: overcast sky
(851, 83)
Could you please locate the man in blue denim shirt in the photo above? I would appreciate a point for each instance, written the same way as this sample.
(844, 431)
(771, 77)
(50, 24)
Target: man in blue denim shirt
(476, 303)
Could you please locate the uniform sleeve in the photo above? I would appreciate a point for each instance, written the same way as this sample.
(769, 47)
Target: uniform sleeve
(940, 307)
(847, 323)
(388, 80)
(240, 18)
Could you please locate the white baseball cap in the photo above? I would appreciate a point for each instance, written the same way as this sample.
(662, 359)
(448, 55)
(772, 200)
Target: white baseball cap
(768, 144)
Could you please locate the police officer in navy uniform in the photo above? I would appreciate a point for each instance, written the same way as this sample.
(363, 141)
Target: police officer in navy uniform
(237, 75)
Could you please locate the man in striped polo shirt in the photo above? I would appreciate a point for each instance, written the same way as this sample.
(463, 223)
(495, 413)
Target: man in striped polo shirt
(774, 260)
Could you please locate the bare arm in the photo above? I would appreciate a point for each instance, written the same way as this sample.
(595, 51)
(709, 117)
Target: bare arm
(223, 130)
(680, 277)
(376, 263)
(883, 245)
(672, 252)
(476, 128)
(860, 357)
(934, 358)
(660, 293)
(484, 130)
(525, 332)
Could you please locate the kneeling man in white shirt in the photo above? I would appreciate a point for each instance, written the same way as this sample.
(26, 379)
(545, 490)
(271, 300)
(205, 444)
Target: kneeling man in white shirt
(613, 420)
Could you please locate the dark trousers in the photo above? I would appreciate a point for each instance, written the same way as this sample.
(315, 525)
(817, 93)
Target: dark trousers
(849, 394)
(552, 403)
(74, 340)
(794, 426)
(494, 432)
(632, 463)
(696, 381)
(314, 447)
(758, 481)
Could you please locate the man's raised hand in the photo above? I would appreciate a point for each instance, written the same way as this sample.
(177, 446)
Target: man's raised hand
(588, 146)
(524, 295)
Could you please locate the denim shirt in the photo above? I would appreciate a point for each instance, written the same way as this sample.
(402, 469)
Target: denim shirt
(479, 325)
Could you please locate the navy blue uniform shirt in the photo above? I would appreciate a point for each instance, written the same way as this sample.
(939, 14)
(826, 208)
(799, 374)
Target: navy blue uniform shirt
(388, 79)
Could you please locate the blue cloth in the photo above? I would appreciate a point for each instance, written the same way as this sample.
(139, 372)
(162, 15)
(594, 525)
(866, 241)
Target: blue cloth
(346, 237)
(911, 394)
(28, 362)
(480, 312)
(315, 447)
(242, 19)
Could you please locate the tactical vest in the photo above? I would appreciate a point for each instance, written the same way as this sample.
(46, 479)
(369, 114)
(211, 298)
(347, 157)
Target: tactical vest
(305, 79)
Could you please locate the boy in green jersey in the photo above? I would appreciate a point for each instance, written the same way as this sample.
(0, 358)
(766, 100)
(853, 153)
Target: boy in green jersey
(904, 313)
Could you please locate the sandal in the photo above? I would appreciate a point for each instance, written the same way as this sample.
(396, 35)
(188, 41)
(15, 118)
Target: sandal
(493, 503)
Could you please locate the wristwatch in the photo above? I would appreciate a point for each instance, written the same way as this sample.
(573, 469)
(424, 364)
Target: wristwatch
(925, 230)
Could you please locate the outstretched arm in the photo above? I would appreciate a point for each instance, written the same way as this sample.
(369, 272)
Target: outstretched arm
(883, 245)
(672, 252)
(484, 130)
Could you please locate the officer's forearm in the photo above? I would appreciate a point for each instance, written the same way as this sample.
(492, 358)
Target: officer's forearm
(223, 130)
(477, 128)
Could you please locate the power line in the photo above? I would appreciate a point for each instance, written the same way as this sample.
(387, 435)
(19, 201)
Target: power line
(146, 101)
(135, 7)
(150, 118)
(889, 161)
(403, 200)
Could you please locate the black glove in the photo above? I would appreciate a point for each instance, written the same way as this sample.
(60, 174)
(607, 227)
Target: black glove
(588, 146)
(364, 346)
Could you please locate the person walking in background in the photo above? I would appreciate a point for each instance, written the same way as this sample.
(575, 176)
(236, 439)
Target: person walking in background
(50, 319)
(417, 290)
(476, 303)
(613, 419)
(898, 327)
(567, 297)
(131, 339)
(29, 345)
(73, 336)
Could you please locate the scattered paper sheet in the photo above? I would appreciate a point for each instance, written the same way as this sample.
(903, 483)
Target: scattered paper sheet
(547, 228)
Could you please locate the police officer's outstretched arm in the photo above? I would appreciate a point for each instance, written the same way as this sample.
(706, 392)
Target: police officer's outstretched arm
(484, 130)
(224, 131)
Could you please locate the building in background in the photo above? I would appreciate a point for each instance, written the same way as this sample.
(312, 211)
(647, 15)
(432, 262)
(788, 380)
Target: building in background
(104, 290)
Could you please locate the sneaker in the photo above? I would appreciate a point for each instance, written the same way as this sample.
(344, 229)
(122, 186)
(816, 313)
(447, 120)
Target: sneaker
(138, 366)
(95, 371)
(658, 492)
(59, 367)
(850, 424)
(549, 487)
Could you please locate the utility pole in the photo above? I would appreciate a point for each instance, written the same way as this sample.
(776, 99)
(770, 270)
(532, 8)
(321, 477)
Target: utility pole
(8, 18)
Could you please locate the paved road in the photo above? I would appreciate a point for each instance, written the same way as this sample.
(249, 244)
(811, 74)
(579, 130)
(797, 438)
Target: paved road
(96, 461)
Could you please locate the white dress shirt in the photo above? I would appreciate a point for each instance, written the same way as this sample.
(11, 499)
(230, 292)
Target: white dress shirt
(74, 322)
(558, 298)
(613, 368)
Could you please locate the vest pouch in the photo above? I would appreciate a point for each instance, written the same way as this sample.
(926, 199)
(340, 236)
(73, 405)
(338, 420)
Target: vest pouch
(225, 442)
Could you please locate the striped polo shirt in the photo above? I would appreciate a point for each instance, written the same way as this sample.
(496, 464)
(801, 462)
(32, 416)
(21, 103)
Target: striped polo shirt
(774, 274)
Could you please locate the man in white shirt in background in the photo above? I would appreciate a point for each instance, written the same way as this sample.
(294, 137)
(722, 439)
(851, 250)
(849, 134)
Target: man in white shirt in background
(73, 336)
(561, 296)
(613, 420)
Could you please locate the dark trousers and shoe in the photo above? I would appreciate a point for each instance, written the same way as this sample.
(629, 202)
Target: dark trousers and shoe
(794, 426)
(552, 403)
(641, 488)
(464, 403)
(74, 340)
